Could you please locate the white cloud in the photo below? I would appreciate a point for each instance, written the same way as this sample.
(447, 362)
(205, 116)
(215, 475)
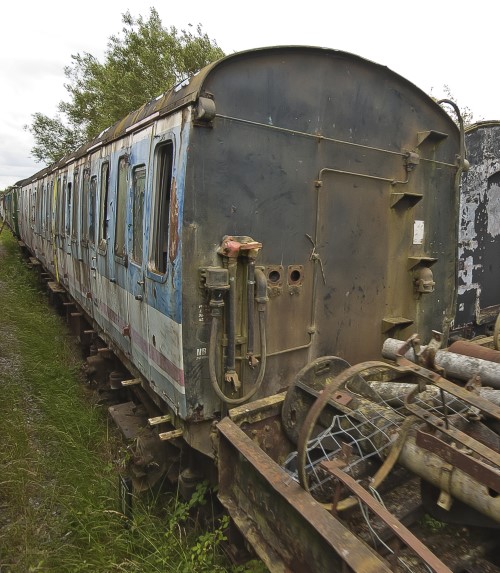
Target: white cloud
(431, 44)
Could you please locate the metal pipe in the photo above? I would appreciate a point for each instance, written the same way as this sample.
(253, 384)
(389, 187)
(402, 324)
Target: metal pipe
(320, 138)
(261, 294)
(461, 167)
(216, 305)
(455, 365)
(468, 348)
(250, 307)
(231, 319)
(457, 483)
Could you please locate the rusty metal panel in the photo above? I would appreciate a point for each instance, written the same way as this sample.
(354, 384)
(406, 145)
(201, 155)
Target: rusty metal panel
(479, 241)
(288, 529)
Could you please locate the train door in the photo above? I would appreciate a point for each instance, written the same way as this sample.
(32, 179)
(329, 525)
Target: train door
(108, 257)
(351, 242)
(42, 215)
(53, 190)
(68, 210)
(65, 257)
(84, 258)
(138, 309)
(100, 259)
(58, 203)
(61, 233)
(163, 283)
(74, 255)
(91, 238)
(116, 301)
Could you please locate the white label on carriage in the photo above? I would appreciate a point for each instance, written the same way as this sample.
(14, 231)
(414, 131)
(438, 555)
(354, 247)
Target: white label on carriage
(200, 352)
(201, 313)
(418, 232)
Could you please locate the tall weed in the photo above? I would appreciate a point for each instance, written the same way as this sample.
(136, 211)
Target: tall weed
(58, 482)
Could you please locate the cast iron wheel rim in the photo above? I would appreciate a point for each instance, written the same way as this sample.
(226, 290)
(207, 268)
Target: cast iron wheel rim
(322, 369)
(314, 413)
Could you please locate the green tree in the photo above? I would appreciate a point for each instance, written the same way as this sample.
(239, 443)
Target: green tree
(53, 139)
(465, 112)
(144, 61)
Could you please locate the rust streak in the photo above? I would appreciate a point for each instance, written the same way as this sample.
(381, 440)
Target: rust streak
(174, 218)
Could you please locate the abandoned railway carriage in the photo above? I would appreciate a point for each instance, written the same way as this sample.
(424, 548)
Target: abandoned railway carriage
(9, 210)
(281, 214)
(316, 172)
(479, 239)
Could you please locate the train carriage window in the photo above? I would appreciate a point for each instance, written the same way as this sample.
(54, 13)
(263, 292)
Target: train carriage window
(38, 210)
(43, 210)
(121, 207)
(84, 207)
(138, 191)
(69, 199)
(103, 212)
(58, 195)
(163, 181)
(51, 226)
(47, 190)
(43, 214)
(32, 194)
(92, 208)
(76, 201)
(62, 200)
(46, 209)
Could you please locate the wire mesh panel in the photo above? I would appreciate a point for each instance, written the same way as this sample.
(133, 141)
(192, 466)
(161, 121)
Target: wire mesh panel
(363, 438)
(364, 441)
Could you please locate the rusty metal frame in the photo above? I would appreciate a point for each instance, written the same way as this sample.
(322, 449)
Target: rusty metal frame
(486, 473)
(479, 402)
(481, 472)
(288, 529)
(457, 435)
(397, 528)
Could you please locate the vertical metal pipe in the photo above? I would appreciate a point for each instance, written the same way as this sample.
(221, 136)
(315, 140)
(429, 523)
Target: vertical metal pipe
(462, 166)
(250, 306)
(231, 319)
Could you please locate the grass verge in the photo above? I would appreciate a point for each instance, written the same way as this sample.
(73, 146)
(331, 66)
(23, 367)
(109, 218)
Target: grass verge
(58, 484)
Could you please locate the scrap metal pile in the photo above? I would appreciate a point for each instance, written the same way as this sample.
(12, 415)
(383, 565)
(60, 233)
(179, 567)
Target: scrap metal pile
(380, 444)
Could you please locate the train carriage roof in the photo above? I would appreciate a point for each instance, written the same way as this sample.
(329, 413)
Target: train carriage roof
(187, 92)
(482, 124)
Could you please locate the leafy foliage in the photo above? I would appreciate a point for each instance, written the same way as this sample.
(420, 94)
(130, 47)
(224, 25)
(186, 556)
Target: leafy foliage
(465, 112)
(53, 139)
(144, 61)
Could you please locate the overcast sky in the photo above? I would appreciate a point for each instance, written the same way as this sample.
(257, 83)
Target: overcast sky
(432, 44)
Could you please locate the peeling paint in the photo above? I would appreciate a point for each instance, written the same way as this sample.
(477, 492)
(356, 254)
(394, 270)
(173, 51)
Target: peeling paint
(174, 222)
(493, 208)
(479, 239)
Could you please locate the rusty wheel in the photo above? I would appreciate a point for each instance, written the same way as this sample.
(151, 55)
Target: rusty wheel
(305, 388)
(328, 395)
